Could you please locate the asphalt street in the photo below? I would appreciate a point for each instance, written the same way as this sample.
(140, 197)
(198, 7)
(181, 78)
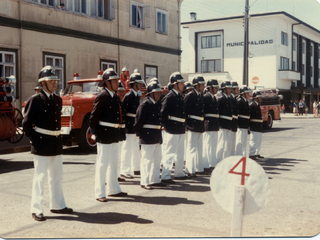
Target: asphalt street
(184, 209)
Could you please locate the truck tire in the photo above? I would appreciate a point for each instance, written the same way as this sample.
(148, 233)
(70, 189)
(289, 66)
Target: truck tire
(268, 124)
(84, 138)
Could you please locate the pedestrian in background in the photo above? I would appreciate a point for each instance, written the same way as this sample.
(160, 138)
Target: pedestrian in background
(283, 108)
(301, 107)
(315, 108)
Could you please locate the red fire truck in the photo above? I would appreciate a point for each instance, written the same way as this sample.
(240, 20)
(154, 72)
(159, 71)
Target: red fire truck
(270, 107)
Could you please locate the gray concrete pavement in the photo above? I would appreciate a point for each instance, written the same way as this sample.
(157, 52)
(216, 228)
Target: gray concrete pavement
(185, 209)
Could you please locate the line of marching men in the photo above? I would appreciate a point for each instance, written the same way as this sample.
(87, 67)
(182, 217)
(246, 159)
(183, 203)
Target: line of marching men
(213, 126)
(199, 122)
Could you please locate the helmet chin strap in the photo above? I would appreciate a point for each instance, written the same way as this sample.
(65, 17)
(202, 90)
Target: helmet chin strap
(45, 83)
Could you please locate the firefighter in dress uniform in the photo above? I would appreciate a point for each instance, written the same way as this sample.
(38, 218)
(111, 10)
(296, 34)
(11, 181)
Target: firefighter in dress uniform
(234, 124)
(195, 125)
(243, 121)
(211, 124)
(173, 121)
(130, 156)
(225, 120)
(256, 126)
(187, 88)
(120, 93)
(148, 128)
(42, 124)
(106, 126)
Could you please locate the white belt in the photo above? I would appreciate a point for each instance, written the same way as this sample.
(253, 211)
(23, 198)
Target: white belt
(225, 117)
(131, 115)
(114, 125)
(235, 117)
(244, 116)
(211, 115)
(256, 120)
(196, 117)
(47, 132)
(176, 119)
(151, 126)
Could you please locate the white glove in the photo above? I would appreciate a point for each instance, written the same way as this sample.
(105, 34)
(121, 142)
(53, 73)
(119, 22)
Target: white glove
(93, 137)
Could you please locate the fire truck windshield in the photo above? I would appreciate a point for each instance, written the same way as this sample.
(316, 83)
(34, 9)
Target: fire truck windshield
(81, 88)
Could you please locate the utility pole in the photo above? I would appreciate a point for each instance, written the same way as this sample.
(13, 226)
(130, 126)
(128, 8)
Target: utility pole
(246, 45)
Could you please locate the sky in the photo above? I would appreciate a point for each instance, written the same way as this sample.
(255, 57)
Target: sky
(305, 10)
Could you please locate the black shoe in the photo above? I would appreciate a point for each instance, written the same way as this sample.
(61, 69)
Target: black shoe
(169, 181)
(253, 157)
(38, 217)
(212, 168)
(128, 176)
(102, 199)
(182, 178)
(62, 211)
(207, 169)
(147, 187)
(136, 172)
(160, 184)
(259, 156)
(121, 179)
(192, 175)
(121, 194)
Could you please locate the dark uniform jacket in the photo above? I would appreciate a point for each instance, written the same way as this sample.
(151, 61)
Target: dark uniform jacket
(234, 104)
(130, 104)
(210, 107)
(122, 121)
(225, 109)
(148, 113)
(244, 110)
(173, 106)
(255, 112)
(194, 106)
(43, 113)
(106, 109)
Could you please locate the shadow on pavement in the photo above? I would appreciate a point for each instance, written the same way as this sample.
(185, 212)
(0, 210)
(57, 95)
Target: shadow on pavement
(79, 163)
(278, 165)
(101, 218)
(277, 130)
(156, 200)
(11, 166)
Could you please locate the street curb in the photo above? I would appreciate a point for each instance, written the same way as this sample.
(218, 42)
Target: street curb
(15, 150)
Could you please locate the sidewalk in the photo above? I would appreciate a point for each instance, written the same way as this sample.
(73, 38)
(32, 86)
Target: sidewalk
(292, 116)
(22, 146)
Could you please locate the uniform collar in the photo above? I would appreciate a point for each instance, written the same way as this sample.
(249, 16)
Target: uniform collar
(224, 94)
(175, 91)
(152, 100)
(256, 102)
(134, 92)
(211, 94)
(111, 93)
(47, 94)
(197, 92)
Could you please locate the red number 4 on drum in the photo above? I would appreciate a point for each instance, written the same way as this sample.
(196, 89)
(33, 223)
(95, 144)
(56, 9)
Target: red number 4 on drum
(243, 174)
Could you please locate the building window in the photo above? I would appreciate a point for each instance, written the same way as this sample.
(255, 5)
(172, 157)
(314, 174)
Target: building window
(311, 72)
(46, 2)
(211, 65)
(303, 48)
(211, 41)
(293, 44)
(57, 63)
(162, 21)
(104, 64)
(284, 38)
(137, 15)
(302, 70)
(7, 64)
(311, 51)
(293, 66)
(150, 72)
(284, 63)
(77, 6)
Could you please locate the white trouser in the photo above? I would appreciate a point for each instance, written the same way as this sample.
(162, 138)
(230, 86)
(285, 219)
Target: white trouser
(174, 150)
(223, 149)
(150, 163)
(210, 141)
(185, 145)
(194, 152)
(164, 144)
(255, 143)
(241, 142)
(119, 157)
(130, 155)
(52, 165)
(106, 170)
(233, 136)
